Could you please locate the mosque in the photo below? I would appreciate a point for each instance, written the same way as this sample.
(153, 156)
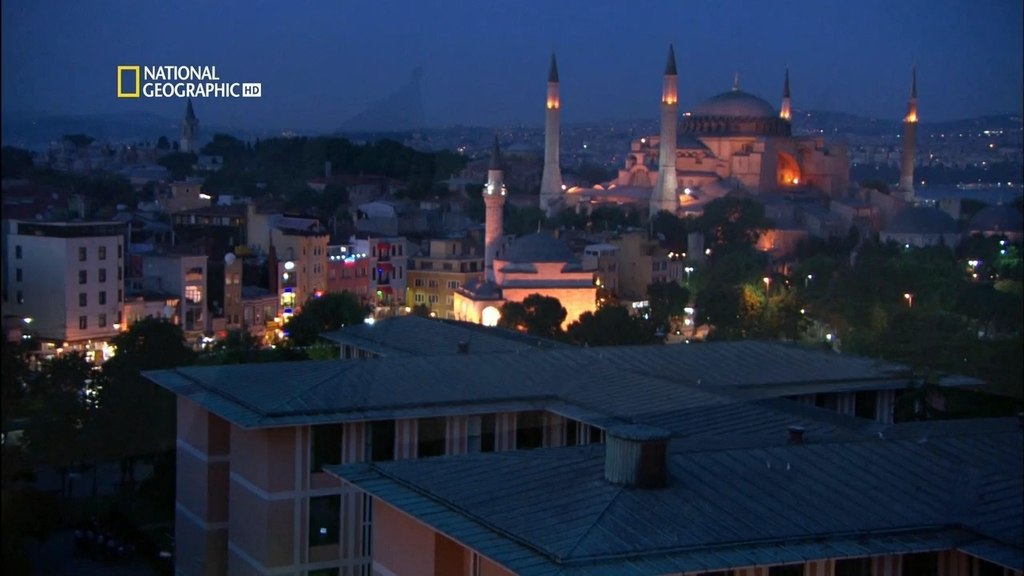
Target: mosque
(733, 141)
(532, 264)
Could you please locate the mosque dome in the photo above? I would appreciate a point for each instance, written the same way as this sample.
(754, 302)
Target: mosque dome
(1000, 218)
(537, 247)
(922, 220)
(735, 104)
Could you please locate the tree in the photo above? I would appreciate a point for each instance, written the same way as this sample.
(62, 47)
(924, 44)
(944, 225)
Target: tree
(179, 164)
(15, 163)
(611, 326)
(733, 221)
(163, 143)
(79, 140)
(673, 229)
(135, 416)
(328, 312)
(667, 299)
(539, 315)
(56, 430)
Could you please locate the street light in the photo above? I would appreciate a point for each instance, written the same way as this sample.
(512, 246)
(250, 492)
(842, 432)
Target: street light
(910, 299)
(808, 279)
(767, 285)
(688, 269)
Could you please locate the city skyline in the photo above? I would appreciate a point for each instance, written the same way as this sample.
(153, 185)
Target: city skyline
(486, 65)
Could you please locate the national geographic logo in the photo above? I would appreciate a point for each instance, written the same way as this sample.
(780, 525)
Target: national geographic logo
(134, 81)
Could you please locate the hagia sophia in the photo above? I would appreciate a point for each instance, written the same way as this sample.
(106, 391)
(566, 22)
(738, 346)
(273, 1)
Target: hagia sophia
(732, 143)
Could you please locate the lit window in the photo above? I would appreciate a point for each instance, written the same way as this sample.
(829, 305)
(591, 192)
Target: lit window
(324, 520)
(193, 294)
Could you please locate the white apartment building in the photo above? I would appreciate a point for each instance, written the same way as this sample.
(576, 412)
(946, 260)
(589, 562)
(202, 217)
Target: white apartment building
(66, 279)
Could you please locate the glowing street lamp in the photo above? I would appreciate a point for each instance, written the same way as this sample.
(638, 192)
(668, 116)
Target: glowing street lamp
(767, 285)
(910, 299)
(688, 269)
(808, 279)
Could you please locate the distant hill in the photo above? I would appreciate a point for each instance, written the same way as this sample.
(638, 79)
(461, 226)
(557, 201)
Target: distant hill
(35, 131)
(400, 111)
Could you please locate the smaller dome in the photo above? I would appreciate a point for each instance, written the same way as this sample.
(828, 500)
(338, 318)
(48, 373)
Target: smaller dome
(1000, 218)
(737, 104)
(537, 247)
(922, 220)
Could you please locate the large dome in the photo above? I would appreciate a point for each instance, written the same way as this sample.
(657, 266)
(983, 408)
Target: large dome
(537, 247)
(735, 104)
(922, 220)
(1000, 218)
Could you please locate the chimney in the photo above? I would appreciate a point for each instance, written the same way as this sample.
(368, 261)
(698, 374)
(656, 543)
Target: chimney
(463, 347)
(637, 456)
(796, 434)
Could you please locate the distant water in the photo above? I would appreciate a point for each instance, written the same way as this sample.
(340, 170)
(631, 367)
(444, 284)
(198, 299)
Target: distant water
(987, 194)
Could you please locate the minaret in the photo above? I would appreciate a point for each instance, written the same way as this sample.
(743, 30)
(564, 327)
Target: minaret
(909, 143)
(664, 196)
(494, 200)
(189, 130)
(551, 180)
(784, 111)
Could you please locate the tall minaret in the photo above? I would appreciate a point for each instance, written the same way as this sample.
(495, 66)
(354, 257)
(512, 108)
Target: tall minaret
(909, 143)
(189, 130)
(494, 200)
(664, 196)
(784, 111)
(551, 180)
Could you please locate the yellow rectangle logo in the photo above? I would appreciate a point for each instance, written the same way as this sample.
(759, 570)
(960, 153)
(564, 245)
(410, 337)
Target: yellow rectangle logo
(121, 84)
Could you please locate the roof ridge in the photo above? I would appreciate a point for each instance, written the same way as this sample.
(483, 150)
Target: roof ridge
(579, 541)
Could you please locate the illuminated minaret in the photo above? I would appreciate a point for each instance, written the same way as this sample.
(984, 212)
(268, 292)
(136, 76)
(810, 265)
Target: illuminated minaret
(664, 196)
(909, 143)
(494, 200)
(784, 111)
(551, 180)
(189, 130)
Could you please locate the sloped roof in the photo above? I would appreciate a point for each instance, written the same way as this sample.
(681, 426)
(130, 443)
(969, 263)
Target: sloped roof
(722, 508)
(999, 218)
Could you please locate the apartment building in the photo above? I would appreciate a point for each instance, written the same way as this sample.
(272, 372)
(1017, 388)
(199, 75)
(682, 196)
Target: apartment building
(440, 270)
(68, 278)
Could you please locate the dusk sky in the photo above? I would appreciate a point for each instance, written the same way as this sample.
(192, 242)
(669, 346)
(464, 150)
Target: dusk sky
(485, 63)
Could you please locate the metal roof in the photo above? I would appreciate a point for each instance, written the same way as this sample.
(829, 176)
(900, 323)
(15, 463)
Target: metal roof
(723, 508)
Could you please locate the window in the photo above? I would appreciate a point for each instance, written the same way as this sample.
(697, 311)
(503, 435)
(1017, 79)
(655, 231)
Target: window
(449, 300)
(324, 520)
(431, 283)
(102, 252)
(529, 430)
(20, 297)
(193, 294)
(433, 299)
(447, 266)
(119, 255)
(571, 432)
(102, 321)
(326, 446)
(453, 284)
(596, 435)
(103, 274)
(17, 251)
(865, 404)
(83, 299)
(853, 567)
(418, 283)
(382, 440)
(481, 433)
(17, 275)
(102, 298)
(83, 277)
(419, 298)
(120, 295)
(431, 436)
(83, 322)
(120, 274)
(81, 254)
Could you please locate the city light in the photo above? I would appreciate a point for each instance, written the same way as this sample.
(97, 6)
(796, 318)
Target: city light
(688, 270)
(767, 284)
(910, 299)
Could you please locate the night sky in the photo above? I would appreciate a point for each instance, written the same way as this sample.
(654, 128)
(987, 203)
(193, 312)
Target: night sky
(485, 63)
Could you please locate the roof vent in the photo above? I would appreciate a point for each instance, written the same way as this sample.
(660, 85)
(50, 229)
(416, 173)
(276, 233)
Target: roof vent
(463, 347)
(796, 434)
(637, 456)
